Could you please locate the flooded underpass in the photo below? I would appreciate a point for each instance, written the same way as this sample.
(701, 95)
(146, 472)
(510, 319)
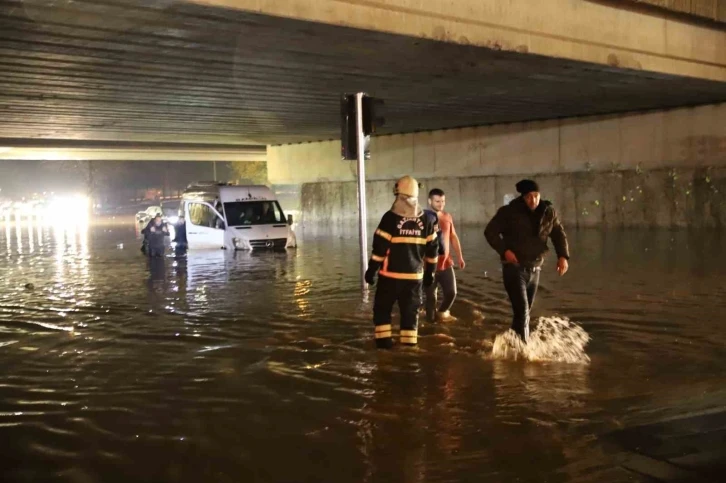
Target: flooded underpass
(231, 367)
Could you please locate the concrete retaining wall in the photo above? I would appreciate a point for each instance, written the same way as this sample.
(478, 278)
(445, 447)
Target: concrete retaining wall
(662, 168)
(693, 137)
(657, 198)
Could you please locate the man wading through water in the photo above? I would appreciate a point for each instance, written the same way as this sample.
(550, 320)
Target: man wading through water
(405, 250)
(445, 269)
(519, 232)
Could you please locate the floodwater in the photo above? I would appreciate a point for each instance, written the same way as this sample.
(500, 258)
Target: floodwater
(259, 367)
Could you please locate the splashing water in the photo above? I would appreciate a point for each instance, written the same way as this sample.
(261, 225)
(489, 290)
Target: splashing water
(554, 339)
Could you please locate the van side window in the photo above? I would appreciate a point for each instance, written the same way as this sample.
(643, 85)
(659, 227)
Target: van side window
(202, 215)
(241, 213)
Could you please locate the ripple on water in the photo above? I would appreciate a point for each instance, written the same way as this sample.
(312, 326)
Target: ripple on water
(220, 366)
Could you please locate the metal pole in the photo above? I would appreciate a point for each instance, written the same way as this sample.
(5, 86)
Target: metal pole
(214, 167)
(362, 212)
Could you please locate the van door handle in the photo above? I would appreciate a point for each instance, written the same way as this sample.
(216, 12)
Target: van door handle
(279, 226)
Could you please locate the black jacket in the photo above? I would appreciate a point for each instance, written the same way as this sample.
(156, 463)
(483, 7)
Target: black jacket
(180, 230)
(435, 220)
(515, 227)
(156, 238)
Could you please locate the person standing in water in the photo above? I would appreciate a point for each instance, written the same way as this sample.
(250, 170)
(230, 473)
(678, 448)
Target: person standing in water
(405, 254)
(180, 235)
(157, 232)
(519, 232)
(445, 269)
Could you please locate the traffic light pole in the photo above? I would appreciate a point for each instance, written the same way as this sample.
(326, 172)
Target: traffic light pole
(362, 211)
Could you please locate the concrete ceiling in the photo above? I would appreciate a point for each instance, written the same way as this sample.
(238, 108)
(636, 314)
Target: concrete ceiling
(167, 71)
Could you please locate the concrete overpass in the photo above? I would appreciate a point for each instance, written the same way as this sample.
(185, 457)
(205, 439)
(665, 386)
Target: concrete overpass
(270, 72)
(227, 74)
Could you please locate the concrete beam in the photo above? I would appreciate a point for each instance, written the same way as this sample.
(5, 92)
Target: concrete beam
(570, 29)
(27, 150)
(682, 138)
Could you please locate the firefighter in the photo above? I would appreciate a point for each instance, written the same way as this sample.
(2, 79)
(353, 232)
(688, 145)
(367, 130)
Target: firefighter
(405, 254)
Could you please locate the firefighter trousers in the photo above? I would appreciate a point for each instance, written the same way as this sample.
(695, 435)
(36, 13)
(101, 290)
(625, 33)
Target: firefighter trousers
(408, 295)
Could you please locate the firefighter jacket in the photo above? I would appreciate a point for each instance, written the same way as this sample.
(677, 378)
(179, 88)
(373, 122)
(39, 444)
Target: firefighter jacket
(403, 247)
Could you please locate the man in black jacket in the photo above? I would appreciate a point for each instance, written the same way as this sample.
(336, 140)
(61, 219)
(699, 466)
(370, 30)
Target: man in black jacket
(157, 230)
(519, 232)
(180, 235)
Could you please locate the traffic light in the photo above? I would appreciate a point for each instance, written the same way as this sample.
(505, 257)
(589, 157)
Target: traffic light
(372, 118)
(348, 129)
(373, 111)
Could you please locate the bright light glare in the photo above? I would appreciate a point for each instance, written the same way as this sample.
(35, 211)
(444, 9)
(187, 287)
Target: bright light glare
(68, 210)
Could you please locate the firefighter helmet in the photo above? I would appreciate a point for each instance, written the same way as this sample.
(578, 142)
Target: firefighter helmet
(406, 186)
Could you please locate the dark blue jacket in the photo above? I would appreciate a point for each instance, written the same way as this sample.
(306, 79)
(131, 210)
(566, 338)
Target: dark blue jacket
(435, 219)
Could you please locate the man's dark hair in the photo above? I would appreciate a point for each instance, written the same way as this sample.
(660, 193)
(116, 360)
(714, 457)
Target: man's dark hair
(436, 192)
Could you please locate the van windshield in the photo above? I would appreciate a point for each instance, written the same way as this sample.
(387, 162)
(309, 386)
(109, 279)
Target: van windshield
(241, 213)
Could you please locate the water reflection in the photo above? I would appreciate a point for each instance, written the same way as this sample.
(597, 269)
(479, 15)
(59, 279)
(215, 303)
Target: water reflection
(157, 273)
(31, 239)
(18, 236)
(302, 289)
(224, 366)
(8, 238)
(544, 390)
(72, 258)
(40, 234)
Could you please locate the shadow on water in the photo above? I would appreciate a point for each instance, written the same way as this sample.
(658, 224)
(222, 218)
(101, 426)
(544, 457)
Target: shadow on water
(216, 366)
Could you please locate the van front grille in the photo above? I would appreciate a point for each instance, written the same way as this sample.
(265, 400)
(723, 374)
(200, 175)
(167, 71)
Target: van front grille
(269, 243)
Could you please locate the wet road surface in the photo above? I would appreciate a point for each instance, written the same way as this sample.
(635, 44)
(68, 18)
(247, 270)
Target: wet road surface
(232, 367)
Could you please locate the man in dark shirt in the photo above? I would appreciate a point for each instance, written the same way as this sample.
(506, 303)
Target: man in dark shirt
(180, 235)
(519, 232)
(157, 230)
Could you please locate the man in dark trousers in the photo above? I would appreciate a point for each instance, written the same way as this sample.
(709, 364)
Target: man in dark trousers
(180, 235)
(445, 269)
(519, 232)
(405, 253)
(157, 230)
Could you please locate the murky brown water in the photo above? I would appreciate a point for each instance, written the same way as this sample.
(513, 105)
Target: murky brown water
(239, 367)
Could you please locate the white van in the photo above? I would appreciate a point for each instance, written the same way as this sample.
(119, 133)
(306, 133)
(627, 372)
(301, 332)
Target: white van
(223, 215)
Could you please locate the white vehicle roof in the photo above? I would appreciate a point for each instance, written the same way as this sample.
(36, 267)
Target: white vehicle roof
(227, 193)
